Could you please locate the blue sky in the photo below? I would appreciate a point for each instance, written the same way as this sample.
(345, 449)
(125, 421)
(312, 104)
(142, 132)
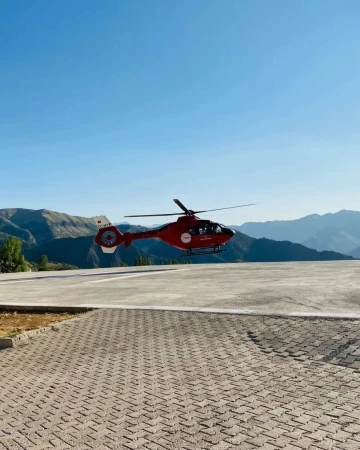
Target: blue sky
(117, 107)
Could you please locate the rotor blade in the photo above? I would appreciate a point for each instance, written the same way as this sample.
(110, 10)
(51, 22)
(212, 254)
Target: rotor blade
(187, 211)
(178, 202)
(219, 209)
(156, 215)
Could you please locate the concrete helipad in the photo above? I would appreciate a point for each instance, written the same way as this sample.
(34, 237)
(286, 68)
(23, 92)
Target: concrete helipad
(317, 288)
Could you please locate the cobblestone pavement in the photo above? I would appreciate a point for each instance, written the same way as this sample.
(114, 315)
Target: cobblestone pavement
(122, 379)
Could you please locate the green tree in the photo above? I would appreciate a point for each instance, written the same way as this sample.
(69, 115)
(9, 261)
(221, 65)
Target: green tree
(11, 258)
(43, 263)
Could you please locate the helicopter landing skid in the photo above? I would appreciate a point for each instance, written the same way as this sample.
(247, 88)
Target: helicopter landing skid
(203, 251)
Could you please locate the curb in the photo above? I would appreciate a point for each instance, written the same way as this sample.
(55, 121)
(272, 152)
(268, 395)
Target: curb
(45, 308)
(231, 311)
(14, 341)
(24, 337)
(196, 309)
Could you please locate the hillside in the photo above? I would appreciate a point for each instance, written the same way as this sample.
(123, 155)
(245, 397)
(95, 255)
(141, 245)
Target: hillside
(81, 252)
(338, 232)
(267, 250)
(8, 228)
(342, 240)
(40, 226)
(355, 253)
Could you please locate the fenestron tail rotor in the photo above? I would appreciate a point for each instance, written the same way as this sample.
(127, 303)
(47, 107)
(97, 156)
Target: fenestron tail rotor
(188, 212)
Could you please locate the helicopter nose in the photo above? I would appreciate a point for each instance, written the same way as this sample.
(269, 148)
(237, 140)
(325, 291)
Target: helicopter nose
(229, 231)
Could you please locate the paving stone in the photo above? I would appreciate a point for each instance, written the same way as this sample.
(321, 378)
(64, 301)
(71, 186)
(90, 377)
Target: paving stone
(170, 380)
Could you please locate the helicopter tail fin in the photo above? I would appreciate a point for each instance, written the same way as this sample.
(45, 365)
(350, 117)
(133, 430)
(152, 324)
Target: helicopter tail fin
(108, 236)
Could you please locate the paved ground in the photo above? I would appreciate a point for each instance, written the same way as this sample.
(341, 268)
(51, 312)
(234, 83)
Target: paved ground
(140, 379)
(131, 379)
(277, 288)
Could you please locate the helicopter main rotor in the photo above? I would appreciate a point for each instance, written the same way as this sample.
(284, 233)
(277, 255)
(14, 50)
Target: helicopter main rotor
(188, 212)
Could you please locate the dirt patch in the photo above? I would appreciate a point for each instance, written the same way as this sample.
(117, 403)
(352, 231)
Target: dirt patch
(13, 323)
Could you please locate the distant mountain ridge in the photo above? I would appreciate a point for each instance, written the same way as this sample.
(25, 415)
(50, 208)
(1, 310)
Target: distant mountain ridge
(355, 253)
(338, 231)
(70, 239)
(39, 226)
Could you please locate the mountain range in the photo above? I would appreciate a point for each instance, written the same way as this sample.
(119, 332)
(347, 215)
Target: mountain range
(70, 239)
(339, 232)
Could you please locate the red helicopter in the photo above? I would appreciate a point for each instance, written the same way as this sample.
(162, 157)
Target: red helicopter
(189, 233)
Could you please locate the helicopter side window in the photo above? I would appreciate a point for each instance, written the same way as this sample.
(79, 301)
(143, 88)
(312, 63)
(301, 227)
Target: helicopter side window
(194, 231)
(208, 228)
(202, 229)
(198, 229)
(213, 228)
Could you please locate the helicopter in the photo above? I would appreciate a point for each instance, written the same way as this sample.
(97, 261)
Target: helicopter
(189, 233)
